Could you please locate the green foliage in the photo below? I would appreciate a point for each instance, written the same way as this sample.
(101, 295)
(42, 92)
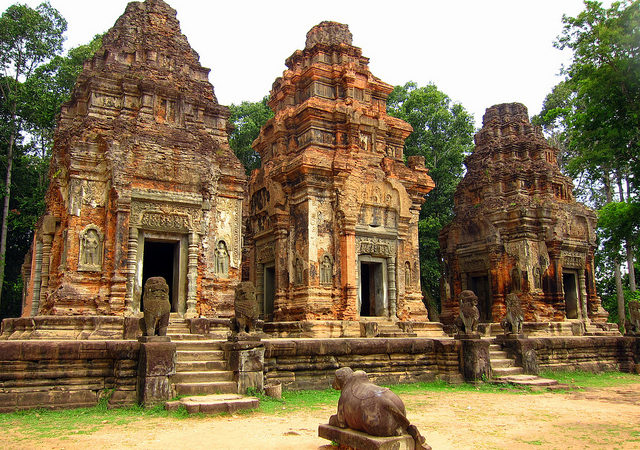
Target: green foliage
(35, 81)
(247, 119)
(443, 134)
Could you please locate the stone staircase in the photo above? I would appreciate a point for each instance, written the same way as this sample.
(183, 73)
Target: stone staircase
(501, 364)
(200, 364)
(601, 329)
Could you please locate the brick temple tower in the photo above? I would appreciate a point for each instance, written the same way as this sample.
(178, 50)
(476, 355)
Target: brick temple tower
(143, 182)
(517, 228)
(334, 210)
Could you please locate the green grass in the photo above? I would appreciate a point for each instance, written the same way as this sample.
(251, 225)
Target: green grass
(589, 379)
(39, 424)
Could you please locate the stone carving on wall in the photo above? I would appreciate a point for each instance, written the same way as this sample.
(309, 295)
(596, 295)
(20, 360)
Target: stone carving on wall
(407, 274)
(164, 215)
(221, 265)
(91, 244)
(326, 270)
(229, 220)
(537, 278)
(266, 254)
(516, 280)
(375, 247)
(574, 260)
(156, 220)
(298, 271)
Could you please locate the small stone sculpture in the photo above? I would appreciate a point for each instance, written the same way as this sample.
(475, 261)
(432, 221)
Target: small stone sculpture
(377, 411)
(469, 311)
(634, 313)
(156, 306)
(512, 323)
(246, 308)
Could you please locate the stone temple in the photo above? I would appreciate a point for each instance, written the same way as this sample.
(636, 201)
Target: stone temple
(333, 211)
(517, 228)
(143, 182)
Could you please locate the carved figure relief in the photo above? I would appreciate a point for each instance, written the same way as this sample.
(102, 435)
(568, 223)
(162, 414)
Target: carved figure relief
(326, 270)
(407, 275)
(91, 241)
(222, 259)
(537, 278)
(298, 272)
(516, 280)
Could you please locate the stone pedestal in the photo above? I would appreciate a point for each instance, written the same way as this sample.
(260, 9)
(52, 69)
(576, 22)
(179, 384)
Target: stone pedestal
(347, 438)
(246, 359)
(476, 365)
(157, 363)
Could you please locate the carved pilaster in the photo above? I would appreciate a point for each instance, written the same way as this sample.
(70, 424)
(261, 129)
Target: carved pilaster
(47, 239)
(260, 288)
(192, 275)
(37, 279)
(132, 256)
(391, 276)
(582, 285)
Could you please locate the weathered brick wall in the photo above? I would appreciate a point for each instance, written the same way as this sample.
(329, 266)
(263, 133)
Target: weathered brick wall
(67, 374)
(590, 353)
(311, 364)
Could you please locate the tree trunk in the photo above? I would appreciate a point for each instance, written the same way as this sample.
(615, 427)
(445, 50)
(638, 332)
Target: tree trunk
(616, 262)
(5, 208)
(620, 297)
(631, 267)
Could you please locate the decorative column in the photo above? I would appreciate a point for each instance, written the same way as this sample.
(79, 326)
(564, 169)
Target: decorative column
(582, 286)
(280, 262)
(391, 277)
(348, 273)
(192, 275)
(47, 240)
(259, 283)
(37, 279)
(119, 279)
(132, 256)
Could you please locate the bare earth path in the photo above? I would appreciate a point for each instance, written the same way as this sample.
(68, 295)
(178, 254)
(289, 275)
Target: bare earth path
(590, 418)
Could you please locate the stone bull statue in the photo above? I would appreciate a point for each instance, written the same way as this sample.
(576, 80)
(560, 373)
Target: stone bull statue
(156, 306)
(377, 411)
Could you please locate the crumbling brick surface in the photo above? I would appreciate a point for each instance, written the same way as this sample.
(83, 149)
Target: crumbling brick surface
(517, 228)
(333, 196)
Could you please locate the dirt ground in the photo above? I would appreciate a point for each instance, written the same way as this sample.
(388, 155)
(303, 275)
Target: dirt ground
(589, 418)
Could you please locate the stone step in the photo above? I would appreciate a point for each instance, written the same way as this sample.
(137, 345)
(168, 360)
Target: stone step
(500, 363)
(199, 345)
(495, 347)
(504, 371)
(214, 387)
(214, 404)
(198, 355)
(528, 380)
(497, 354)
(200, 366)
(179, 336)
(202, 377)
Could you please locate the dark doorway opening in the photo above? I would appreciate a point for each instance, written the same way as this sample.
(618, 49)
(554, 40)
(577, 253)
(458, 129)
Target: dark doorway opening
(480, 287)
(160, 261)
(269, 291)
(570, 295)
(371, 289)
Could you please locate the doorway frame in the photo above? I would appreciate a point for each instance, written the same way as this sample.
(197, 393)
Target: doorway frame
(179, 294)
(368, 259)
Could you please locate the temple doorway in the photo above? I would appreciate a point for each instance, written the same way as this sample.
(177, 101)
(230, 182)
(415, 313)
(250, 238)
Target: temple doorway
(480, 287)
(372, 288)
(269, 291)
(570, 287)
(161, 259)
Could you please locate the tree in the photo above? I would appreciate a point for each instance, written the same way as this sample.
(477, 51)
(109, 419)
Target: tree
(443, 134)
(248, 118)
(28, 38)
(596, 110)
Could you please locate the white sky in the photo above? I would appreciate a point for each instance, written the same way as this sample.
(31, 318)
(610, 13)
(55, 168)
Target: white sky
(479, 52)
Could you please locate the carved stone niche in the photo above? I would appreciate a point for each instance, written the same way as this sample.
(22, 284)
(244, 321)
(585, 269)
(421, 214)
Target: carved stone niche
(326, 269)
(91, 246)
